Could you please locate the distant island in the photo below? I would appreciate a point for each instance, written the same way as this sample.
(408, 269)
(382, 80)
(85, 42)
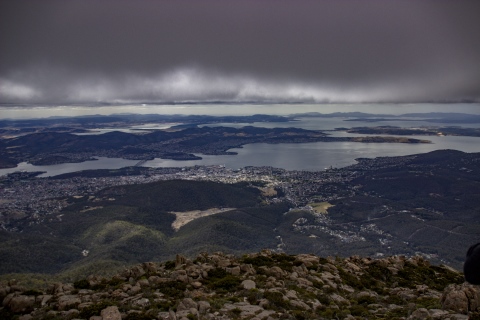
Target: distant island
(424, 131)
(53, 141)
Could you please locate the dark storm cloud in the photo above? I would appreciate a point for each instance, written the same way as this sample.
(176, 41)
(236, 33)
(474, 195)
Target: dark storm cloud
(61, 51)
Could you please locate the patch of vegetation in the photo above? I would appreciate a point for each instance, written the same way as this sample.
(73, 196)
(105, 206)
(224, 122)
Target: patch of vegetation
(359, 310)
(366, 300)
(410, 275)
(32, 293)
(81, 284)
(169, 265)
(258, 261)
(164, 305)
(276, 300)
(137, 316)
(6, 314)
(349, 279)
(253, 296)
(220, 280)
(428, 303)
(172, 289)
(396, 314)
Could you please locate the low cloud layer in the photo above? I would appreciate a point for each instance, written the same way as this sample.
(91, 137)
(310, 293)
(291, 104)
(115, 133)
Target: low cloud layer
(313, 51)
(191, 85)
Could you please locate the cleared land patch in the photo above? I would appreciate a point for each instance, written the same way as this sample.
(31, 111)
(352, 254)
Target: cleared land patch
(321, 207)
(182, 218)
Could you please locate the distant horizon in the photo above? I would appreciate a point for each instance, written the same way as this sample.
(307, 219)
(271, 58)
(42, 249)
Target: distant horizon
(37, 111)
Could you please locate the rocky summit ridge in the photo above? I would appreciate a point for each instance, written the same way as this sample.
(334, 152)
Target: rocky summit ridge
(264, 285)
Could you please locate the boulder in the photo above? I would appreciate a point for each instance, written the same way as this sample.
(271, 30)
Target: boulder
(248, 269)
(276, 272)
(142, 302)
(248, 284)
(180, 260)
(67, 302)
(143, 283)
(307, 259)
(187, 304)
(234, 271)
(111, 313)
(419, 314)
(4, 290)
(137, 272)
(203, 307)
(150, 267)
(461, 298)
(21, 304)
(299, 304)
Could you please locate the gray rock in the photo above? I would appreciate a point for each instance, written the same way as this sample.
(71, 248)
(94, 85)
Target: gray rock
(248, 284)
(339, 300)
(163, 315)
(437, 313)
(4, 290)
(84, 305)
(180, 260)
(299, 304)
(291, 294)
(404, 293)
(302, 282)
(68, 301)
(9, 297)
(137, 272)
(187, 304)
(21, 304)
(307, 259)
(234, 271)
(456, 316)
(461, 298)
(265, 314)
(180, 275)
(134, 290)
(247, 310)
(276, 272)
(248, 269)
(365, 294)
(419, 314)
(70, 314)
(143, 283)
(223, 263)
(203, 307)
(150, 266)
(154, 280)
(111, 313)
(142, 302)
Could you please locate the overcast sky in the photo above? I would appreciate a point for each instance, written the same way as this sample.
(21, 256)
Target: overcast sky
(244, 50)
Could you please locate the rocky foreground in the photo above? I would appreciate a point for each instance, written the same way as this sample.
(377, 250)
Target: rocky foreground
(264, 285)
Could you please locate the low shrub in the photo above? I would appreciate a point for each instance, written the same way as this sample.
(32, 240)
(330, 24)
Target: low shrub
(81, 284)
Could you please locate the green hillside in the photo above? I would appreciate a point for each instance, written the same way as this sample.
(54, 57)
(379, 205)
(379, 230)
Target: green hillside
(131, 224)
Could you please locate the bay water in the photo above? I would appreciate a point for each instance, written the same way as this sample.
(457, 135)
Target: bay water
(291, 156)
